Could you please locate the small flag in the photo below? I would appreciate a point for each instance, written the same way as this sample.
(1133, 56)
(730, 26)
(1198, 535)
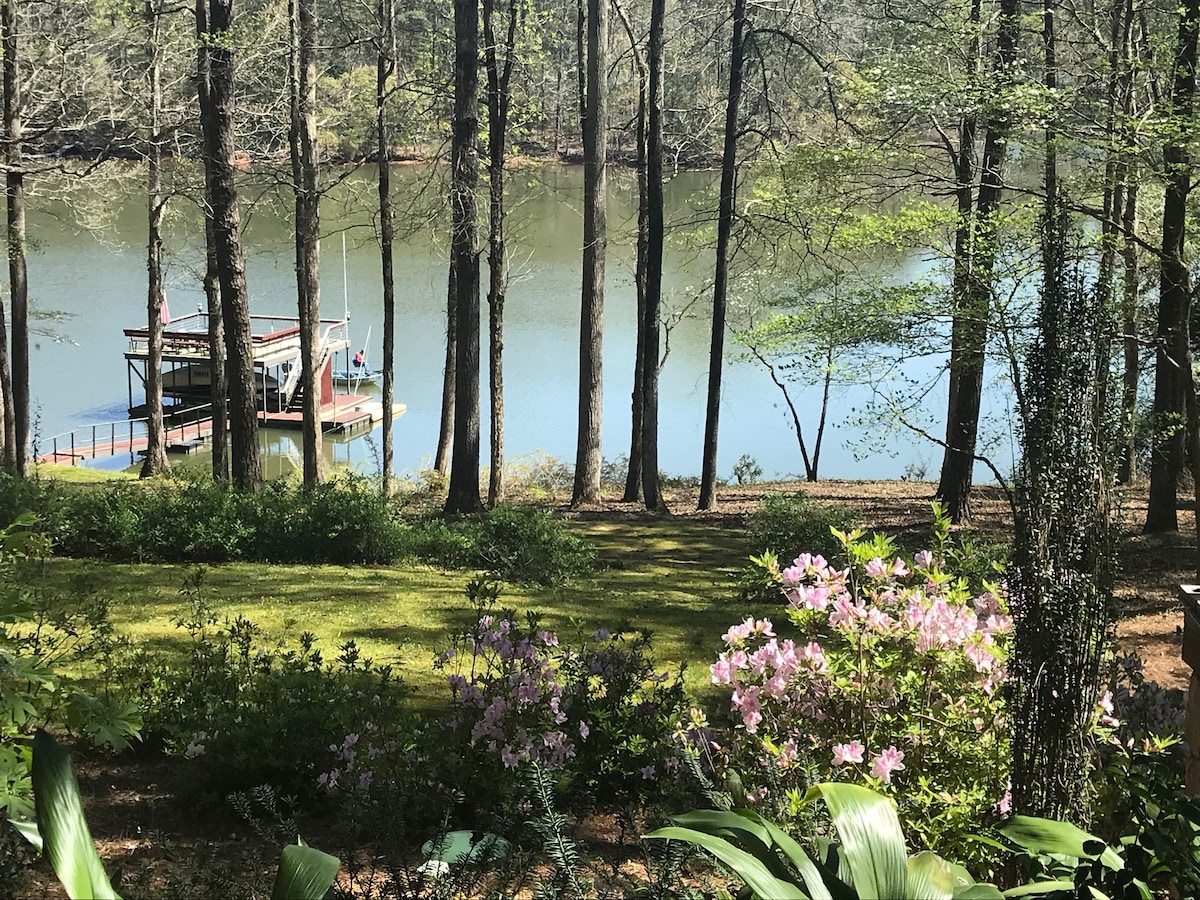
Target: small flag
(164, 312)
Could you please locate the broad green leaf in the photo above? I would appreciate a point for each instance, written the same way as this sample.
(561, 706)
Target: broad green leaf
(1051, 836)
(978, 892)
(871, 838)
(715, 821)
(304, 873)
(749, 869)
(29, 831)
(929, 877)
(68, 842)
(804, 865)
(1043, 888)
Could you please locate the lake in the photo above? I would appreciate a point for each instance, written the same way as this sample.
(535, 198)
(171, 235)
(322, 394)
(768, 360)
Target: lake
(96, 278)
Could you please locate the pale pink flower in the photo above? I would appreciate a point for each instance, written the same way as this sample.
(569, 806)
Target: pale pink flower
(876, 568)
(924, 559)
(887, 762)
(851, 752)
(899, 569)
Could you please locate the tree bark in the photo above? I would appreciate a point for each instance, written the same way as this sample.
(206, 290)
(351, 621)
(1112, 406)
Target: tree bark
(155, 461)
(219, 397)
(725, 211)
(969, 332)
(305, 174)
(499, 75)
(1131, 372)
(217, 123)
(17, 274)
(1171, 373)
(441, 459)
(651, 493)
(595, 244)
(463, 494)
(385, 65)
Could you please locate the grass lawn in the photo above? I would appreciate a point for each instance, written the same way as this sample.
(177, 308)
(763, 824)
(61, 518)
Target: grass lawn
(673, 577)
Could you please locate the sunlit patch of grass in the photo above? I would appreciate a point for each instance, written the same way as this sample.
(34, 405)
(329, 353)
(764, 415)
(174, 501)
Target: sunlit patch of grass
(676, 579)
(78, 474)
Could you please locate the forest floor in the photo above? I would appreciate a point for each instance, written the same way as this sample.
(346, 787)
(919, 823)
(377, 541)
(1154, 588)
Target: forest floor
(159, 842)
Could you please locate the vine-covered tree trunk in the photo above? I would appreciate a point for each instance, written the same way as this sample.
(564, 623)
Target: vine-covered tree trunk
(463, 494)
(155, 461)
(651, 492)
(217, 123)
(385, 66)
(595, 243)
(716, 354)
(18, 282)
(1171, 377)
(305, 173)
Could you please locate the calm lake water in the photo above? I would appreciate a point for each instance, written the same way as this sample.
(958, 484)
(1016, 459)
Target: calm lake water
(97, 279)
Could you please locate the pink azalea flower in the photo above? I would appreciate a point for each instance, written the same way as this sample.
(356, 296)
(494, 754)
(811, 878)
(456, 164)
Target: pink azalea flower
(899, 569)
(851, 752)
(924, 559)
(887, 762)
(876, 568)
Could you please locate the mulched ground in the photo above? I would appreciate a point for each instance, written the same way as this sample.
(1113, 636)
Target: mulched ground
(159, 840)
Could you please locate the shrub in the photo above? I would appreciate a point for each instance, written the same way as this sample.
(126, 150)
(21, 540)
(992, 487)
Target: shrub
(531, 544)
(250, 712)
(790, 525)
(887, 673)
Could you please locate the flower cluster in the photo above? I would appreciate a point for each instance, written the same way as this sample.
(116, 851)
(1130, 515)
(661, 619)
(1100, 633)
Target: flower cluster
(886, 670)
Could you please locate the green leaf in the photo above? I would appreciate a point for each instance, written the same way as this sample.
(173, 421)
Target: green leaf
(749, 869)
(1050, 836)
(1043, 888)
(304, 873)
(804, 865)
(68, 842)
(978, 892)
(29, 831)
(715, 821)
(871, 838)
(929, 877)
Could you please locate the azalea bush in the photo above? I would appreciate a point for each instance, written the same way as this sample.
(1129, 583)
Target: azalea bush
(885, 672)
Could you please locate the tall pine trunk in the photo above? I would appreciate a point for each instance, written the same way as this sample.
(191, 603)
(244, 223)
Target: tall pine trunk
(155, 462)
(17, 276)
(305, 173)
(651, 492)
(595, 245)
(716, 354)
(441, 458)
(385, 65)
(217, 123)
(463, 494)
(1171, 375)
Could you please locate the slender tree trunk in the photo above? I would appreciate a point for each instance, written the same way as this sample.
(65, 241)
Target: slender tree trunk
(595, 244)
(498, 96)
(716, 354)
(17, 277)
(385, 65)
(969, 332)
(1131, 373)
(212, 281)
(651, 493)
(1171, 374)
(463, 495)
(8, 440)
(633, 473)
(305, 174)
(155, 462)
(441, 459)
(217, 122)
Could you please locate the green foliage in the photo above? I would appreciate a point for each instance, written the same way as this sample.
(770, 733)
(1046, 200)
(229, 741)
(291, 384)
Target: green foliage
(792, 524)
(62, 831)
(530, 544)
(871, 860)
(747, 470)
(251, 713)
(1075, 863)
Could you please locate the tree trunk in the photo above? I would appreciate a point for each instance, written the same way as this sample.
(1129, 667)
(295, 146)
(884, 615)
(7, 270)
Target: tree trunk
(441, 459)
(463, 495)
(217, 123)
(651, 493)
(219, 397)
(385, 65)
(1131, 373)
(969, 331)
(595, 244)
(498, 96)
(716, 354)
(1171, 375)
(155, 462)
(305, 173)
(17, 276)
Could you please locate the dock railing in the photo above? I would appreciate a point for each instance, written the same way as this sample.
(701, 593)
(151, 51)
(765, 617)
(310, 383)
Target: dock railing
(121, 436)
